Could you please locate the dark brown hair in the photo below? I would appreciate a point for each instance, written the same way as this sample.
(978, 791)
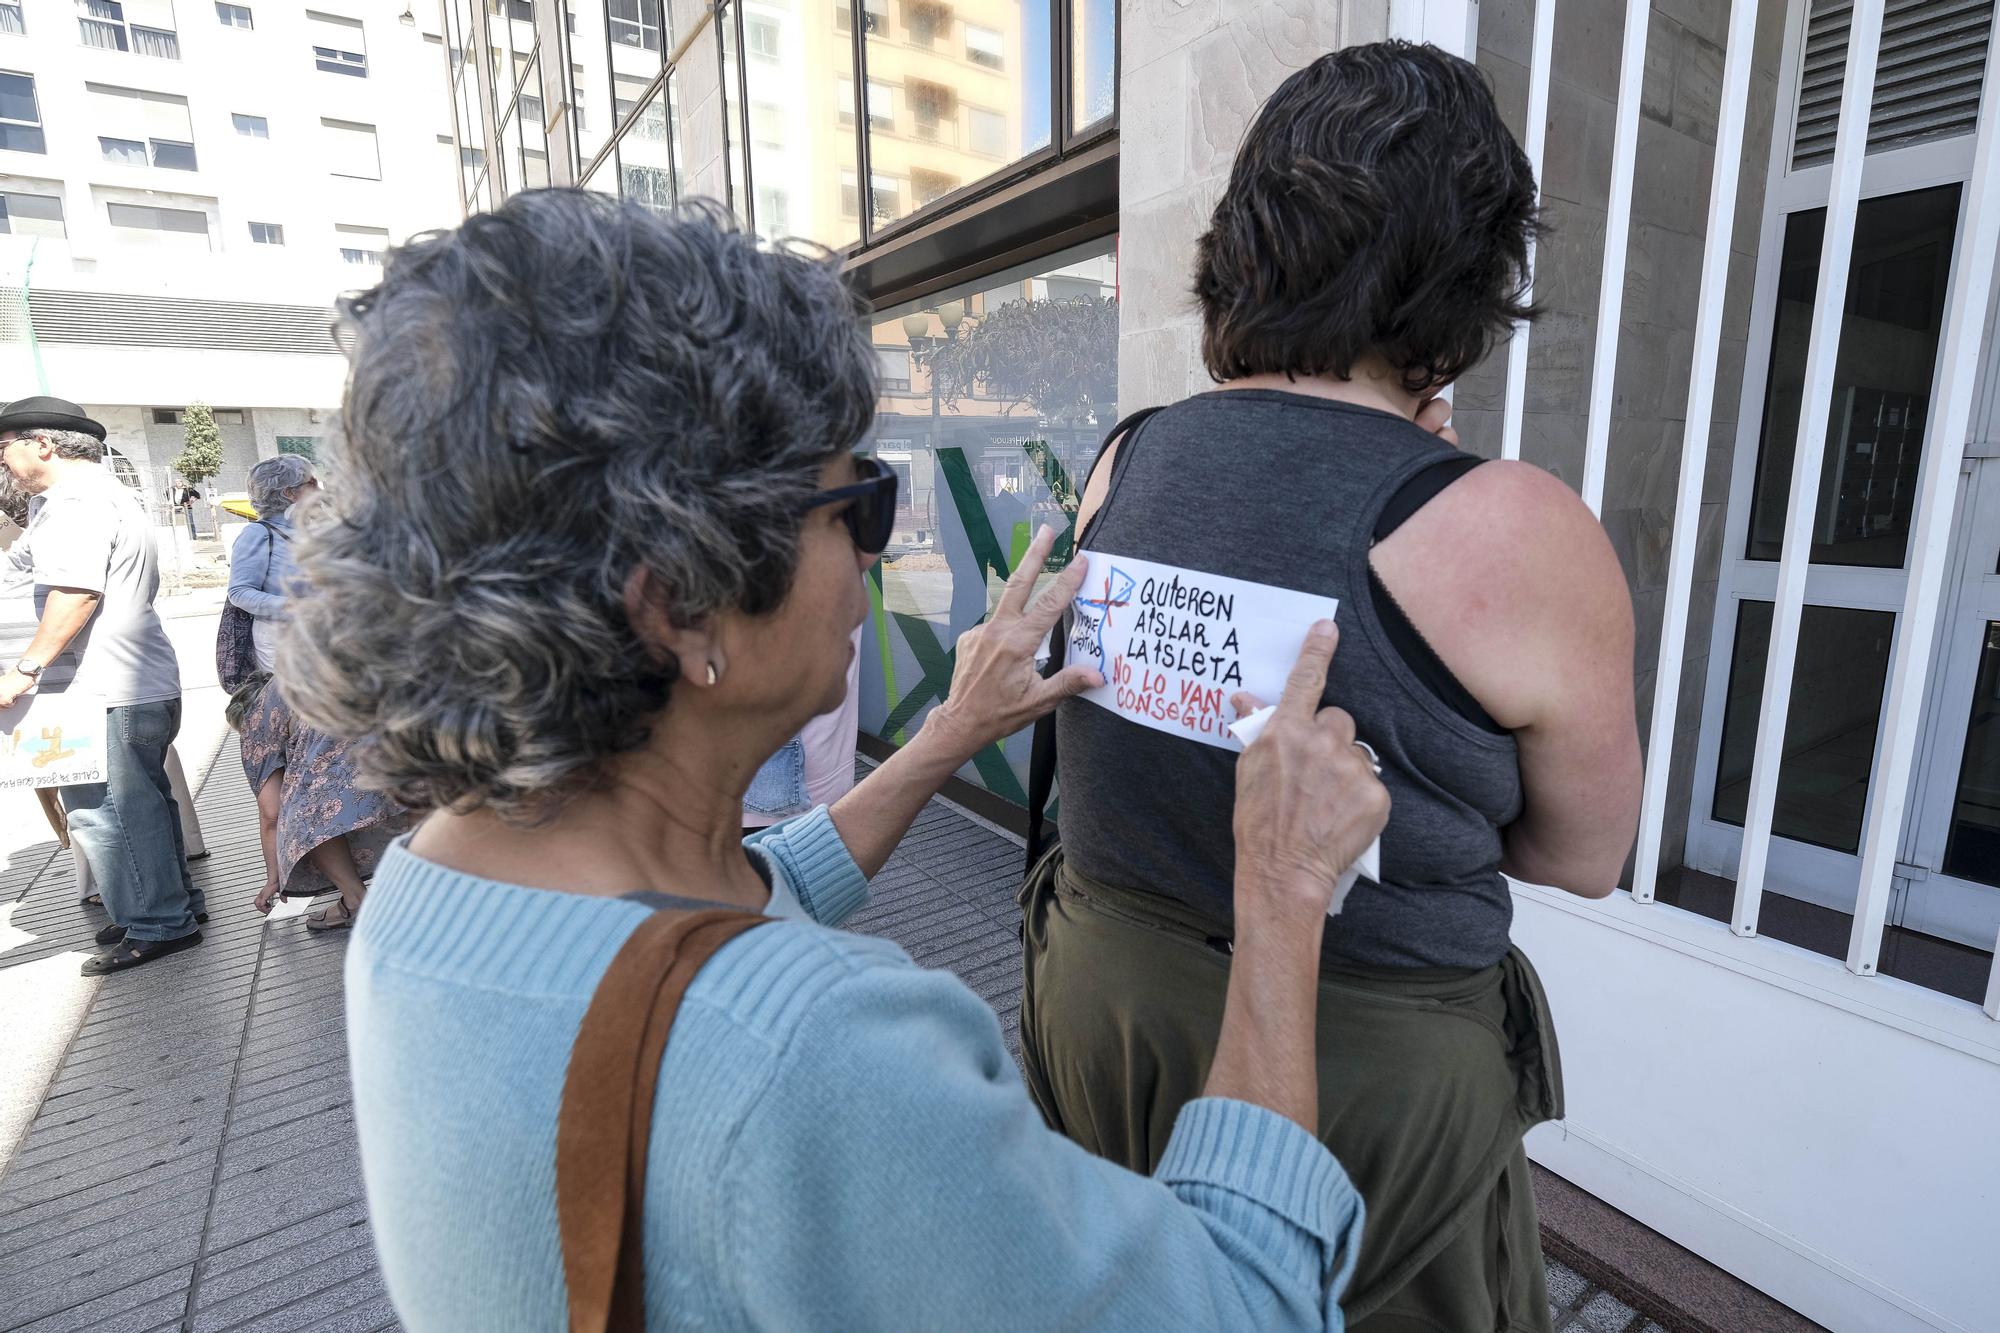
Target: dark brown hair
(1378, 204)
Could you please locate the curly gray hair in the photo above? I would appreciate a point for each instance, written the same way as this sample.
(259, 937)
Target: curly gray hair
(69, 443)
(270, 479)
(541, 401)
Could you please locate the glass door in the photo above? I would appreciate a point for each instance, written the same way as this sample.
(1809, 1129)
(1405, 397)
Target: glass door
(1861, 527)
(1951, 861)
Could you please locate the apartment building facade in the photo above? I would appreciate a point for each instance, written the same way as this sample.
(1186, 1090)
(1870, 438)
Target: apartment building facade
(187, 187)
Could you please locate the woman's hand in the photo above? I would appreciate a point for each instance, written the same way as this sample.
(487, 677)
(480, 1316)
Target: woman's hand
(995, 688)
(1308, 801)
(1435, 417)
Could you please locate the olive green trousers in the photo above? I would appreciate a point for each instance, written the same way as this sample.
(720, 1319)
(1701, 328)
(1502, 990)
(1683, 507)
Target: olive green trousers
(1428, 1079)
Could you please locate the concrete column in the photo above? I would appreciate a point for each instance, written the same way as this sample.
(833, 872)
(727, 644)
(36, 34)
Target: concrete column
(1194, 73)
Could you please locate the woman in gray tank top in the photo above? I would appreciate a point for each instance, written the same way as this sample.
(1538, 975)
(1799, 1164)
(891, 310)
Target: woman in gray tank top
(1370, 247)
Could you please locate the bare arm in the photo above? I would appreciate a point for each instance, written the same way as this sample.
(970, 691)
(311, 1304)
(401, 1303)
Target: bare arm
(1512, 581)
(64, 615)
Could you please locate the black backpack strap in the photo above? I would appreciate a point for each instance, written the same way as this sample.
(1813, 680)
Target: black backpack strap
(1042, 757)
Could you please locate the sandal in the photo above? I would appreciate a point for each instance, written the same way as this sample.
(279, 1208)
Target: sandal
(122, 956)
(324, 919)
(94, 900)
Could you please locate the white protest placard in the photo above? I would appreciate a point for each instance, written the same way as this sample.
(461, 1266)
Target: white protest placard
(52, 740)
(1174, 645)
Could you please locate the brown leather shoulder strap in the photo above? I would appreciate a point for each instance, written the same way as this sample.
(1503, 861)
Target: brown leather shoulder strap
(607, 1112)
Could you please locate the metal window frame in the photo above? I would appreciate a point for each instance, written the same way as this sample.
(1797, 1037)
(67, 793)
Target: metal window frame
(1063, 143)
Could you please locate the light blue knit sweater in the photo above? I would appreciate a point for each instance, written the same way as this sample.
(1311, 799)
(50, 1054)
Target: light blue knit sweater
(840, 1140)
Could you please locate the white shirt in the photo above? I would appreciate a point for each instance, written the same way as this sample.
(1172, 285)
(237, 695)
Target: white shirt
(89, 532)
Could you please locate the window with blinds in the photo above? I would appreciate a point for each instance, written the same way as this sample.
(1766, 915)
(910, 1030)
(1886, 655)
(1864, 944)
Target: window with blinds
(138, 128)
(339, 44)
(1926, 80)
(352, 149)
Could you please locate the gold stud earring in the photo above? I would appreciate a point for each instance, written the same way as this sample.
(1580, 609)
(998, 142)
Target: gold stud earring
(713, 675)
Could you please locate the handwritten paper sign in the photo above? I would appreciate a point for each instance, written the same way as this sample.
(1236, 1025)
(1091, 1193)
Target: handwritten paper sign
(1174, 644)
(52, 740)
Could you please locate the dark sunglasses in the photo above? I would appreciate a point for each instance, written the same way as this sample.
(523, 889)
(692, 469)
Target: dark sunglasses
(871, 518)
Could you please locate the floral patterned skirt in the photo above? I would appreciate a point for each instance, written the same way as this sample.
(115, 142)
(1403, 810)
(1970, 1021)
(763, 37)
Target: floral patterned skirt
(321, 800)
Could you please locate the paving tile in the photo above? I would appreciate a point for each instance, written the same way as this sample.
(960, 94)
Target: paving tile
(1567, 1289)
(1606, 1314)
(133, 1308)
(292, 1289)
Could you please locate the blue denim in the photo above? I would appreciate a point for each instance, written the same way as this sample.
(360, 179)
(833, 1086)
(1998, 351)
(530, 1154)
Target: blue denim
(130, 828)
(779, 789)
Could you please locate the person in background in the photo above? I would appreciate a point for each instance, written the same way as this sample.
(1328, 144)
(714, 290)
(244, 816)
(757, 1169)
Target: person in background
(186, 500)
(89, 547)
(320, 830)
(815, 767)
(1369, 247)
(574, 596)
(260, 564)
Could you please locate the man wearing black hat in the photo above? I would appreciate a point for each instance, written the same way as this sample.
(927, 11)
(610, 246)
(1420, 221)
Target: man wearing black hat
(90, 549)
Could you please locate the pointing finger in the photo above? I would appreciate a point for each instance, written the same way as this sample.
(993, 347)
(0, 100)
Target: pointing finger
(1307, 682)
(1022, 582)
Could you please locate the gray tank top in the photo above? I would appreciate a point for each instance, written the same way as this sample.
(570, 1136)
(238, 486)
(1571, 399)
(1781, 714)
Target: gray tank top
(1285, 489)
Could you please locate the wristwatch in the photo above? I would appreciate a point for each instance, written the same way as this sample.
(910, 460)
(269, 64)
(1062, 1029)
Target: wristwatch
(29, 667)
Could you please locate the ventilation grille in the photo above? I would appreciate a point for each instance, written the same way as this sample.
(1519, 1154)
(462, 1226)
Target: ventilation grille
(152, 321)
(1926, 81)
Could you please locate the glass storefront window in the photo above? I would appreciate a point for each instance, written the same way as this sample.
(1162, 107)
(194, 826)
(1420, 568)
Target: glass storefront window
(639, 24)
(955, 93)
(594, 122)
(995, 397)
(635, 46)
(1843, 663)
(510, 150)
(1882, 378)
(512, 28)
(1093, 61)
(645, 164)
(799, 65)
(733, 126)
(1973, 848)
(529, 114)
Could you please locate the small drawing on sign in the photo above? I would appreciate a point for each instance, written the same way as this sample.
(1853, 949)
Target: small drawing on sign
(1118, 587)
(50, 750)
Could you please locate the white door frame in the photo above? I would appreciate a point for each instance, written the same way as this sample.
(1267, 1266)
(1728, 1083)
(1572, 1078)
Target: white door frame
(1933, 901)
(1800, 870)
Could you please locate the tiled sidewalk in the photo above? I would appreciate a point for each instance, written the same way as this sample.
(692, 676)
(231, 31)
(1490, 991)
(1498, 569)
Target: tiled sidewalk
(193, 1164)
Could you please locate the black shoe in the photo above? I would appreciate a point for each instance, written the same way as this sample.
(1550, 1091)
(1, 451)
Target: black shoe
(122, 956)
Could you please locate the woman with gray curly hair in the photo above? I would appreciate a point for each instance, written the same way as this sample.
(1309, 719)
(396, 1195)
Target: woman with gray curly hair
(260, 563)
(598, 552)
(321, 830)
